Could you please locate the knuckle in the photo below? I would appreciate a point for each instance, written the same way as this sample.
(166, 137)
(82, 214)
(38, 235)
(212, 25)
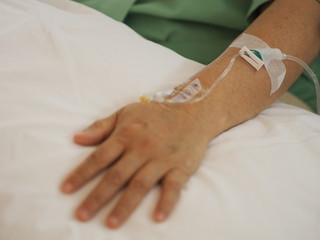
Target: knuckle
(115, 177)
(173, 185)
(98, 124)
(95, 201)
(123, 209)
(133, 128)
(79, 176)
(167, 204)
(140, 184)
(97, 159)
(186, 168)
(129, 131)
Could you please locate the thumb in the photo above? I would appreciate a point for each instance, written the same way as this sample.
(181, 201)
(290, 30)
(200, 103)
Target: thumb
(96, 132)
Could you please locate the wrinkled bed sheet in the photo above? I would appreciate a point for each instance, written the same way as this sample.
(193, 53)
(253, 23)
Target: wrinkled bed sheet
(63, 65)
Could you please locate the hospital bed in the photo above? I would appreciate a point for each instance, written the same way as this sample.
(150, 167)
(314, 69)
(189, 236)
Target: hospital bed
(63, 66)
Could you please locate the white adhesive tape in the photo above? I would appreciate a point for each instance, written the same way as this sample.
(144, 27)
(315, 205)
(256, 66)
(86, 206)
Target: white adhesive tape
(272, 58)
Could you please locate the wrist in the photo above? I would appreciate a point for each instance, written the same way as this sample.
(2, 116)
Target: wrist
(239, 96)
(209, 119)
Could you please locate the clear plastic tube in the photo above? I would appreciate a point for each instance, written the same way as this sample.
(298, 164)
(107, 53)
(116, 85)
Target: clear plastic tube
(164, 96)
(223, 74)
(285, 56)
(170, 95)
(312, 75)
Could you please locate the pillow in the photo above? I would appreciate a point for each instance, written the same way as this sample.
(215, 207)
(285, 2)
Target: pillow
(63, 65)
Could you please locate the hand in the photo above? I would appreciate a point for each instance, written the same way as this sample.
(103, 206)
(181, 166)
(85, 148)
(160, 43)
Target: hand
(140, 145)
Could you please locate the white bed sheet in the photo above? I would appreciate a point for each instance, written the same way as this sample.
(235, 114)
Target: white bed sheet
(63, 65)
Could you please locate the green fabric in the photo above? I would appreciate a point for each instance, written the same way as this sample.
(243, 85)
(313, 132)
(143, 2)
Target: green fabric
(116, 9)
(196, 29)
(255, 4)
(304, 87)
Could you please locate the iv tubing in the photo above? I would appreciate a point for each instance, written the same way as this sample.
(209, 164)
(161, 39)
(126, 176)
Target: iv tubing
(312, 75)
(223, 74)
(285, 56)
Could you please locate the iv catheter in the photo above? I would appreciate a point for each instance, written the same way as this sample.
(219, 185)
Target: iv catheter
(192, 91)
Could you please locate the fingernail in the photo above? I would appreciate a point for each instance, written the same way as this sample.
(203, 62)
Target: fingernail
(160, 216)
(85, 134)
(80, 134)
(113, 222)
(83, 214)
(83, 131)
(67, 187)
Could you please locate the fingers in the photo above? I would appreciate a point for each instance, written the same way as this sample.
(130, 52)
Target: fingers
(141, 130)
(139, 186)
(171, 188)
(96, 132)
(97, 161)
(107, 188)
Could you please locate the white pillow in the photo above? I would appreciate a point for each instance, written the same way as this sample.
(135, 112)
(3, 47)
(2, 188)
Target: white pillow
(63, 65)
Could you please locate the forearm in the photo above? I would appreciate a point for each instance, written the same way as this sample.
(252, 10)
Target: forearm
(293, 26)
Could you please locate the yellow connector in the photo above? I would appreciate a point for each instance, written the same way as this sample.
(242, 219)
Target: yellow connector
(144, 99)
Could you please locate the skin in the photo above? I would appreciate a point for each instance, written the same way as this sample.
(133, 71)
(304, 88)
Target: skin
(144, 144)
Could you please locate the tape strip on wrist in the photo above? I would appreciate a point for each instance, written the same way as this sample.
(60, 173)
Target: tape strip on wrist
(271, 58)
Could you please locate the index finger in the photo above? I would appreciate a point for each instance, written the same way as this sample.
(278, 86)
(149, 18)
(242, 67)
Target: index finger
(101, 158)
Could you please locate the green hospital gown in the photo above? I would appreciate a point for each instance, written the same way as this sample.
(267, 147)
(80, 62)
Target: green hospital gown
(197, 29)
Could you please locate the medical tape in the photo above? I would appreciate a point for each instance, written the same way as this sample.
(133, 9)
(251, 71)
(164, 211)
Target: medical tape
(257, 53)
(271, 58)
(251, 57)
(178, 95)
